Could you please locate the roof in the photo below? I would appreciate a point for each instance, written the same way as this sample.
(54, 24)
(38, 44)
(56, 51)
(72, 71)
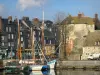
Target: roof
(92, 38)
(78, 20)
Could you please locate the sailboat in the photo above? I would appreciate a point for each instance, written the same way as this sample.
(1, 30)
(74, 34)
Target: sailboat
(35, 66)
(41, 67)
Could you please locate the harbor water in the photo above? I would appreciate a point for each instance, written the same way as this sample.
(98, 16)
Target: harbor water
(59, 72)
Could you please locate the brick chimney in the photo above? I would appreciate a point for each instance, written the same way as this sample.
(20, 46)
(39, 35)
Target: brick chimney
(0, 23)
(80, 15)
(35, 20)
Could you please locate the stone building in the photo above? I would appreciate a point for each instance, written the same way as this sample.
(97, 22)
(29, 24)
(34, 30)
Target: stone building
(91, 44)
(76, 28)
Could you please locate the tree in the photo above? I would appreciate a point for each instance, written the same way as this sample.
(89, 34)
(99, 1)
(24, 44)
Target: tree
(59, 17)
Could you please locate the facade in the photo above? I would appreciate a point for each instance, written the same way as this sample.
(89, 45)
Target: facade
(75, 29)
(91, 44)
(9, 37)
(9, 41)
(25, 38)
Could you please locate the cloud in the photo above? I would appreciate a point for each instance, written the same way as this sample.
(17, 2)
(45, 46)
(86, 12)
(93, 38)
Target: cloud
(26, 4)
(1, 8)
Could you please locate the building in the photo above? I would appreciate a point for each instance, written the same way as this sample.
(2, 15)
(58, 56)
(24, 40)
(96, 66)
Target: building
(9, 37)
(91, 44)
(75, 28)
(9, 41)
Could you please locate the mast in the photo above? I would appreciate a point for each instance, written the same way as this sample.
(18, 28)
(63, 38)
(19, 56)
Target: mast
(42, 37)
(32, 46)
(31, 38)
(19, 44)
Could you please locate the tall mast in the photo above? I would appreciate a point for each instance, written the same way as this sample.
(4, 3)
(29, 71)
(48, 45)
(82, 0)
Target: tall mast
(19, 44)
(31, 38)
(42, 38)
(32, 45)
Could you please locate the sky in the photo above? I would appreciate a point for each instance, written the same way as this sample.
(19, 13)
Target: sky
(33, 8)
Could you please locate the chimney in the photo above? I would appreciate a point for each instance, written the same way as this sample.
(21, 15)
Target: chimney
(15, 20)
(35, 20)
(79, 15)
(0, 23)
(82, 14)
(96, 16)
(10, 18)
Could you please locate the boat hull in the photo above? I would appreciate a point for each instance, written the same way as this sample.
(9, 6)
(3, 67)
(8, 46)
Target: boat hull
(39, 67)
(52, 64)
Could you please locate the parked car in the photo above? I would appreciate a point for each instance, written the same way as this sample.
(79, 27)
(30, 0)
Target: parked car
(94, 56)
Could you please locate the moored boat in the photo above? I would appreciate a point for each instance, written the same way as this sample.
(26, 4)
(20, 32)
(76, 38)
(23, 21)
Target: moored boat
(51, 64)
(39, 67)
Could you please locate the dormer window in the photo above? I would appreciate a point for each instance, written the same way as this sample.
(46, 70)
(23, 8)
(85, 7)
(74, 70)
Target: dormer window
(97, 43)
(9, 21)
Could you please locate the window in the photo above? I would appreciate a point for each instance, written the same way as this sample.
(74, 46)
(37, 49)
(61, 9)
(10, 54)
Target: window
(9, 29)
(12, 43)
(8, 43)
(12, 36)
(21, 44)
(20, 33)
(9, 21)
(2, 37)
(50, 29)
(44, 41)
(2, 43)
(39, 33)
(28, 35)
(39, 39)
(98, 43)
(8, 36)
(21, 38)
(55, 34)
(50, 41)
(6, 29)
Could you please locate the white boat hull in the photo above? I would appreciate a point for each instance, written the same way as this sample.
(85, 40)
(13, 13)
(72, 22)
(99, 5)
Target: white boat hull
(36, 67)
(52, 64)
(39, 67)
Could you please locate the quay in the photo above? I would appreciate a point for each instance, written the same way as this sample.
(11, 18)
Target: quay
(85, 65)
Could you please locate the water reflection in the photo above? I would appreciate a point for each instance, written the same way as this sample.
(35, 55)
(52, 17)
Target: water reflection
(77, 72)
(58, 72)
